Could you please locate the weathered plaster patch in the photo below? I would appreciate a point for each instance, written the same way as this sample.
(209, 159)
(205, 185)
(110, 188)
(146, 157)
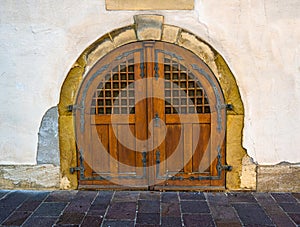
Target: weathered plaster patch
(29, 177)
(48, 148)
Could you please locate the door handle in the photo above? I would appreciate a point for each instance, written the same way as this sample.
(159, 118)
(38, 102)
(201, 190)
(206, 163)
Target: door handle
(156, 119)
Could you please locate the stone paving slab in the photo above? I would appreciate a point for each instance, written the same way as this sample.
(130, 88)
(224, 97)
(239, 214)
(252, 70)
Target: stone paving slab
(146, 208)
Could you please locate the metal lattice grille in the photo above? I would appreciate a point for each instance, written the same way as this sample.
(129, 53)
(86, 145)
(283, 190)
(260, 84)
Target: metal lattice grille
(116, 95)
(183, 94)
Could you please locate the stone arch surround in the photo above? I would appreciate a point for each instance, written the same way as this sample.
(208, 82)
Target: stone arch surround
(151, 27)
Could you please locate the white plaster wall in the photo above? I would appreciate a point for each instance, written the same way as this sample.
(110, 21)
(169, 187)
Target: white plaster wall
(40, 40)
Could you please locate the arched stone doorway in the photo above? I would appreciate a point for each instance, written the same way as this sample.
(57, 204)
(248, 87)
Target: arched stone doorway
(150, 27)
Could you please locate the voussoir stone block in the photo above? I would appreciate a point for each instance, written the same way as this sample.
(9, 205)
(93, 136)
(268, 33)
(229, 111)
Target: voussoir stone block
(170, 33)
(123, 36)
(102, 47)
(191, 42)
(149, 27)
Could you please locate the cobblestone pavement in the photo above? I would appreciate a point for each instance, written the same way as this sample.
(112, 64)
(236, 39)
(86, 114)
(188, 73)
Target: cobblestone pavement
(139, 208)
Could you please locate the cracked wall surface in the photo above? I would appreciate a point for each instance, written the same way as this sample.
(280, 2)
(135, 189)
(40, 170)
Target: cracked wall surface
(39, 42)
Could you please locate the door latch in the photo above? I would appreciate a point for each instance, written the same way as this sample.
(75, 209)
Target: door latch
(156, 118)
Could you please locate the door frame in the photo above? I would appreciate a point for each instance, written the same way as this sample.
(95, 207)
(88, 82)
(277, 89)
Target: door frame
(151, 28)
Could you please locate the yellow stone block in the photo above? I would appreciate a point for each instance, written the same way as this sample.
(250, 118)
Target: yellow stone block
(67, 144)
(234, 150)
(229, 86)
(149, 4)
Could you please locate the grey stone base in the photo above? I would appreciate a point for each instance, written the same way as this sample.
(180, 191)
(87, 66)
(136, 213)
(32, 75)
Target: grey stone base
(275, 178)
(278, 178)
(45, 176)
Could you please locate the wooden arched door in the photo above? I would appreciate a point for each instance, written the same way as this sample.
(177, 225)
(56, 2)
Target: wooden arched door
(150, 115)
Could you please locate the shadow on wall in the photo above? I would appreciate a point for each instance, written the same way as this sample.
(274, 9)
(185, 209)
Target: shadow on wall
(48, 145)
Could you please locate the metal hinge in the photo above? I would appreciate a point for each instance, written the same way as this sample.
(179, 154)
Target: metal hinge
(229, 107)
(73, 169)
(226, 167)
(71, 108)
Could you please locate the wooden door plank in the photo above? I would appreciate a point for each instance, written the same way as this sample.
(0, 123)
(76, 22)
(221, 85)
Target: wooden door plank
(188, 118)
(201, 145)
(174, 149)
(149, 59)
(188, 148)
(141, 126)
(126, 152)
(116, 119)
(113, 149)
(100, 141)
(87, 154)
(159, 128)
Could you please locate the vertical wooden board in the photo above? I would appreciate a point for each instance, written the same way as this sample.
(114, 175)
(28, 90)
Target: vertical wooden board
(140, 111)
(149, 64)
(174, 160)
(87, 152)
(126, 155)
(100, 149)
(200, 146)
(113, 150)
(188, 148)
(159, 111)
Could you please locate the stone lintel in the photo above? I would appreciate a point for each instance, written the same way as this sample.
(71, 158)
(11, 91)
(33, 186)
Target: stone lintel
(149, 5)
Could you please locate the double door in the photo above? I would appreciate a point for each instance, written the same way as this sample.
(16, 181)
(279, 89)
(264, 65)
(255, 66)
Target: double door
(150, 117)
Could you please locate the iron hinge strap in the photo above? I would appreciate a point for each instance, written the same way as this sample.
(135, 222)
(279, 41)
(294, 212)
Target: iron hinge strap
(226, 167)
(77, 168)
(71, 108)
(157, 157)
